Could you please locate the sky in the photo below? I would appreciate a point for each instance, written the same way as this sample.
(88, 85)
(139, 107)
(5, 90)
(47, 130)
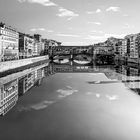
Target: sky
(73, 22)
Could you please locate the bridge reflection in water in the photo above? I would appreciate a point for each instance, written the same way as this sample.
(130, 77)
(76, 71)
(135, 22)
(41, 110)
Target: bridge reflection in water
(15, 85)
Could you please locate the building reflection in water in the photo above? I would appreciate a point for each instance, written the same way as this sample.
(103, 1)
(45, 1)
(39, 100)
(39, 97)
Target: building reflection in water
(128, 75)
(12, 87)
(10, 90)
(9, 96)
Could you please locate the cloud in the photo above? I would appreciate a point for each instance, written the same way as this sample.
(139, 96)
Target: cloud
(112, 97)
(96, 23)
(90, 12)
(66, 92)
(113, 9)
(128, 26)
(89, 93)
(50, 31)
(70, 18)
(103, 37)
(38, 106)
(41, 29)
(93, 12)
(41, 105)
(98, 11)
(95, 31)
(125, 15)
(69, 87)
(98, 95)
(72, 43)
(70, 28)
(66, 13)
(62, 11)
(67, 35)
(114, 35)
(42, 2)
(37, 29)
(93, 37)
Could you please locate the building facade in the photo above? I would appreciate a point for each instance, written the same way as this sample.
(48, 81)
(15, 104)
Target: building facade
(124, 48)
(26, 45)
(133, 45)
(103, 50)
(37, 45)
(50, 45)
(9, 42)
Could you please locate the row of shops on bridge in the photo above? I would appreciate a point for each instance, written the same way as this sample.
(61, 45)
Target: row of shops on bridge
(16, 45)
(89, 49)
(73, 50)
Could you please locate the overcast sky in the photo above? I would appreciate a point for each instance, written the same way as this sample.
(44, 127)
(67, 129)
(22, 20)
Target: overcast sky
(73, 22)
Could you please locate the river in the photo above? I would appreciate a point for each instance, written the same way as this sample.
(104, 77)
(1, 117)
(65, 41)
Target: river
(73, 102)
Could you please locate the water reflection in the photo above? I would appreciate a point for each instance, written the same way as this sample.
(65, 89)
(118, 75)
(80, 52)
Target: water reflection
(38, 106)
(11, 88)
(16, 85)
(85, 101)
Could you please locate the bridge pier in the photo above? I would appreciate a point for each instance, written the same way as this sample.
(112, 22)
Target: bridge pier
(71, 56)
(71, 63)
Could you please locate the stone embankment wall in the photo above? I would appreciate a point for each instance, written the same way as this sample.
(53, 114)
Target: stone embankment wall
(9, 65)
(14, 76)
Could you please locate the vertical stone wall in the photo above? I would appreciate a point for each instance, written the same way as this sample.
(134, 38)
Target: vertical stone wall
(8, 65)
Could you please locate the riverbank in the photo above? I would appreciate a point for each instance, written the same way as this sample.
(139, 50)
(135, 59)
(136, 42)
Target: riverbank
(19, 65)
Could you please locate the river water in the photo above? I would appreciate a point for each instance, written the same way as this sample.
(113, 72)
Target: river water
(74, 102)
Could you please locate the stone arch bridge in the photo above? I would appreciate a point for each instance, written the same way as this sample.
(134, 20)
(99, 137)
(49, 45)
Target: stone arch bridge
(98, 54)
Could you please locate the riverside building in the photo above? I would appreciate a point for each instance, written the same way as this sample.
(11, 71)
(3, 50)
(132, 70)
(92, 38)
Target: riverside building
(124, 48)
(38, 45)
(50, 45)
(133, 45)
(9, 42)
(26, 45)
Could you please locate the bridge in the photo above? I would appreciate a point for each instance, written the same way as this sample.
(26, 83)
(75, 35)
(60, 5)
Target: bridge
(71, 51)
(89, 53)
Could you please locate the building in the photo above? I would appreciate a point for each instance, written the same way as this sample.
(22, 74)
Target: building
(111, 45)
(115, 43)
(9, 42)
(128, 44)
(38, 44)
(103, 49)
(121, 47)
(26, 45)
(8, 96)
(42, 47)
(133, 45)
(124, 48)
(50, 45)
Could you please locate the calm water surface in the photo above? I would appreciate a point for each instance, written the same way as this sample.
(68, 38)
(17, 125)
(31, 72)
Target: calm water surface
(76, 103)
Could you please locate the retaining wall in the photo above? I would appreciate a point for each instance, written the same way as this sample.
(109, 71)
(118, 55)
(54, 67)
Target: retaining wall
(8, 65)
